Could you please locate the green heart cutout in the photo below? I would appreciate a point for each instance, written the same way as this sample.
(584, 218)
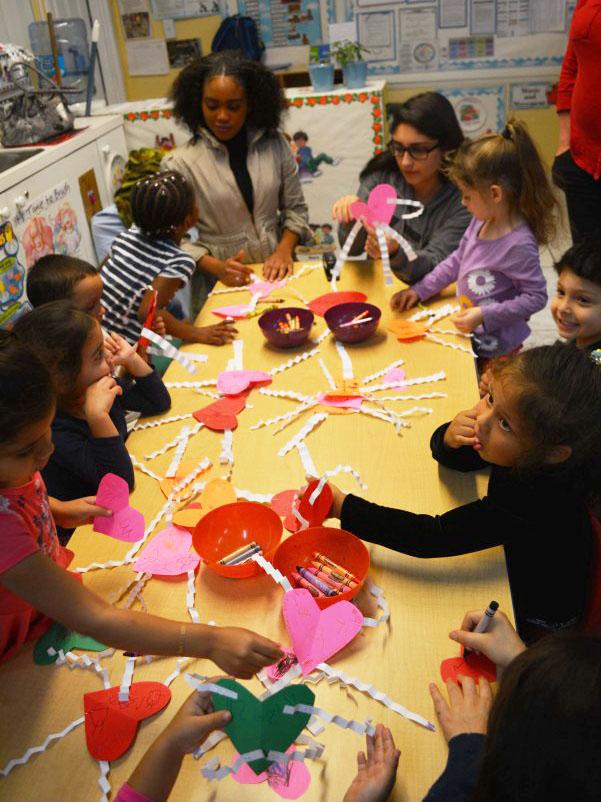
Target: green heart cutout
(59, 637)
(262, 725)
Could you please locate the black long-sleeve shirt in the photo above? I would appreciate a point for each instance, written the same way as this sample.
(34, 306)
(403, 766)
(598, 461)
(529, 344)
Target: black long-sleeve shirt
(459, 779)
(80, 460)
(541, 521)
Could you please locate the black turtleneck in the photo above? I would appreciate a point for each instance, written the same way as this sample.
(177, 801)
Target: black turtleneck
(237, 148)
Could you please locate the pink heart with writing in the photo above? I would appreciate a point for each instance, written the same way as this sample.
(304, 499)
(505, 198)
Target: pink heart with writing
(318, 634)
(168, 554)
(378, 209)
(264, 288)
(126, 523)
(236, 311)
(289, 780)
(232, 382)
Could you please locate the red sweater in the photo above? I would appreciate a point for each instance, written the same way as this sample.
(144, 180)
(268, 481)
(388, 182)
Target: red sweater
(579, 83)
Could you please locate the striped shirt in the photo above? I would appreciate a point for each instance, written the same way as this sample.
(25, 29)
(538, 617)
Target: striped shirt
(134, 262)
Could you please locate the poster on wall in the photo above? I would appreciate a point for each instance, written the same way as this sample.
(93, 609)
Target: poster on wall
(181, 9)
(12, 276)
(48, 224)
(135, 19)
(285, 22)
(478, 109)
(182, 52)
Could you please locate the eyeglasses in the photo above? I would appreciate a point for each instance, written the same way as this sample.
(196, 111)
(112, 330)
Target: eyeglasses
(417, 151)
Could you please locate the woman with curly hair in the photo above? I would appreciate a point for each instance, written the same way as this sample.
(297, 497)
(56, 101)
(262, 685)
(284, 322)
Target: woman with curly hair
(251, 205)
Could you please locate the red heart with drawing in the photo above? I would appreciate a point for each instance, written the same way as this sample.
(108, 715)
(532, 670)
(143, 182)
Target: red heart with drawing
(221, 414)
(111, 725)
(474, 666)
(282, 504)
(378, 208)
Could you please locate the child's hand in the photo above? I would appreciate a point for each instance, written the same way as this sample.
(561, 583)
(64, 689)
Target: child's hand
(468, 319)
(461, 431)
(372, 246)
(337, 497)
(120, 352)
(193, 722)
(80, 511)
(403, 300)
(219, 334)
(277, 266)
(240, 652)
(500, 643)
(233, 272)
(484, 383)
(100, 398)
(376, 773)
(468, 707)
(341, 210)
(159, 326)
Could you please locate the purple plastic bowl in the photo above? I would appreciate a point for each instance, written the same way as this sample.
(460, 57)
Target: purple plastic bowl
(342, 313)
(268, 323)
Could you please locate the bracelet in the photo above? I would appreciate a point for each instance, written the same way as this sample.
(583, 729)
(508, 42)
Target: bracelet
(182, 640)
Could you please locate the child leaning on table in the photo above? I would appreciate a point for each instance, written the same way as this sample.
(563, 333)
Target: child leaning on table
(539, 430)
(89, 428)
(147, 257)
(35, 586)
(496, 266)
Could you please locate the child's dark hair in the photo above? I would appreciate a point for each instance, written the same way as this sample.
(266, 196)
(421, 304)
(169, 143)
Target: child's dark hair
(556, 392)
(161, 203)
(300, 135)
(54, 277)
(583, 259)
(26, 391)
(264, 95)
(56, 333)
(431, 114)
(511, 160)
(544, 731)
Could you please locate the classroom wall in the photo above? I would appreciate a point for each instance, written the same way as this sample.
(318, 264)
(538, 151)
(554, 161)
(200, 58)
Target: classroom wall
(140, 87)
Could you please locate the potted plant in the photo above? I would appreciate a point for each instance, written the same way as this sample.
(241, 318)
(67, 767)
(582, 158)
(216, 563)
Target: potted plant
(350, 57)
(320, 69)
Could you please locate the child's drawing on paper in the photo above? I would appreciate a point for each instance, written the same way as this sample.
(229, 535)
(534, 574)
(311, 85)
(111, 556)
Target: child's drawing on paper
(37, 240)
(12, 273)
(308, 164)
(66, 231)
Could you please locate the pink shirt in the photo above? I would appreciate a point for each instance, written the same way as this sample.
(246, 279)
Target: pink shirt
(26, 526)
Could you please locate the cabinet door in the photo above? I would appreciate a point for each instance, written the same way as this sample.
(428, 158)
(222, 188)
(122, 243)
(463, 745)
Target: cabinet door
(112, 152)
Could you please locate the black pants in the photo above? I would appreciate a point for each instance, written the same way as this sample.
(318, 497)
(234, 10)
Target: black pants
(583, 195)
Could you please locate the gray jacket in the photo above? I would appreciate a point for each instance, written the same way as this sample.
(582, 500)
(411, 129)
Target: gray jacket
(434, 234)
(225, 225)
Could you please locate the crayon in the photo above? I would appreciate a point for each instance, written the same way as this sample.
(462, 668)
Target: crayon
(339, 587)
(317, 583)
(338, 568)
(237, 552)
(242, 558)
(331, 573)
(302, 583)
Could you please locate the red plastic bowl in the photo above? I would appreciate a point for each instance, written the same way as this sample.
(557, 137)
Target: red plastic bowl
(227, 528)
(321, 304)
(343, 313)
(339, 545)
(268, 323)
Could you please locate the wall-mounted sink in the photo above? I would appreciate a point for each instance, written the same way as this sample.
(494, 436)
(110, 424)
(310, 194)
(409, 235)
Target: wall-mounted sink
(9, 158)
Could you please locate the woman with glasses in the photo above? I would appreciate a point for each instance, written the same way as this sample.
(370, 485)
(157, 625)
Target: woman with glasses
(423, 132)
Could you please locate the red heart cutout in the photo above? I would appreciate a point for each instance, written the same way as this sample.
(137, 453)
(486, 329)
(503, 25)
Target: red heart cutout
(282, 503)
(221, 415)
(111, 725)
(320, 305)
(474, 666)
(316, 513)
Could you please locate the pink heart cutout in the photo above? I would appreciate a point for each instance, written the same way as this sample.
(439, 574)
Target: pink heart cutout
(232, 382)
(395, 376)
(289, 782)
(344, 403)
(318, 634)
(168, 554)
(264, 288)
(377, 209)
(126, 523)
(236, 311)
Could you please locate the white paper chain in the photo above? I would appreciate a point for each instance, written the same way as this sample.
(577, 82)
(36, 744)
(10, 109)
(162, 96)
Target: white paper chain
(290, 394)
(35, 750)
(456, 346)
(247, 495)
(103, 781)
(296, 360)
(144, 469)
(384, 256)
(226, 455)
(184, 434)
(191, 385)
(419, 397)
(287, 416)
(360, 727)
(325, 333)
(161, 422)
(126, 680)
(171, 471)
(295, 413)
(343, 255)
(380, 598)
(405, 244)
(434, 315)
(213, 771)
(306, 459)
(372, 376)
(172, 352)
(327, 374)
(238, 358)
(191, 598)
(271, 571)
(311, 424)
(419, 207)
(347, 365)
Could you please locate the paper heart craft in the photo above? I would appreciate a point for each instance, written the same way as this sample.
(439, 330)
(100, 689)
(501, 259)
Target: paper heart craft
(317, 512)
(237, 311)
(408, 330)
(395, 376)
(264, 288)
(126, 523)
(290, 780)
(378, 209)
(282, 503)
(263, 725)
(353, 404)
(168, 554)
(186, 467)
(321, 304)
(233, 382)
(346, 388)
(318, 634)
(277, 670)
(474, 666)
(221, 414)
(58, 638)
(111, 725)
(217, 492)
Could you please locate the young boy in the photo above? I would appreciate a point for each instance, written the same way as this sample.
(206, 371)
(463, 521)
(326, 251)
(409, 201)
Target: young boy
(58, 278)
(576, 307)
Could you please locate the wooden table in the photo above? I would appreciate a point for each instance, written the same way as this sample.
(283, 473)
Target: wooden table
(427, 597)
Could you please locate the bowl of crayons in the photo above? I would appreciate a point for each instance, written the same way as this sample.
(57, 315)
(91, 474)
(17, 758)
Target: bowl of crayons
(353, 322)
(287, 327)
(330, 563)
(227, 537)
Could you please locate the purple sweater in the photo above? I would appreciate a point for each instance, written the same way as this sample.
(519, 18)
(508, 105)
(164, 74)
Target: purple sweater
(502, 276)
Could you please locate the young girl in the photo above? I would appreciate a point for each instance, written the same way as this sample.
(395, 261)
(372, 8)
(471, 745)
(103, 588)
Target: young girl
(147, 257)
(34, 585)
(539, 428)
(89, 429)
(496, 266)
